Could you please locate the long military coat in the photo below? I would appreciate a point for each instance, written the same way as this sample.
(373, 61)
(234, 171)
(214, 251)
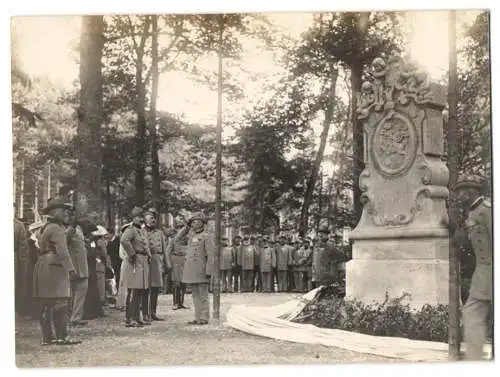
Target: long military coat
(321, 262)
(480, 233)
(199, 257)
(247, 257)
(226, 258)
(51, 273)
(282, 257)
(77, 251)
(136, 274)
(21, 258)
(267, 259)
(157, 246)
(176, 251)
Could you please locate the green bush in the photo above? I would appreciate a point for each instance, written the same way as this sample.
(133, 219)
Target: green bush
(393, 317)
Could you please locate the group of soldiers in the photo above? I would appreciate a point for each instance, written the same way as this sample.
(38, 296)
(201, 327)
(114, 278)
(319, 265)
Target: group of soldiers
(257, 263)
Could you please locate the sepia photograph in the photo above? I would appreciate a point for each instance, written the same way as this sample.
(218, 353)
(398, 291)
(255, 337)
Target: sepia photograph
(284, 188)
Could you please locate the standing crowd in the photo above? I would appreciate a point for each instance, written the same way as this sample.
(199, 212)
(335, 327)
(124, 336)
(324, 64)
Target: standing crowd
(69, 268)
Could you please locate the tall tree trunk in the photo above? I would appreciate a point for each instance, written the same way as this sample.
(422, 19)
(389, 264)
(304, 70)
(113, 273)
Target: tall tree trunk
(155, 77)
(90, 115)
(109, 204)
(141, 141)
(357, 126)
(320, 201)
(452, 141)
(304, 215)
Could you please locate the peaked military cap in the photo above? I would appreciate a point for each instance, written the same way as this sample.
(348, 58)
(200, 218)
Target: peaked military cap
(56, 203)
(197, 216)
(151, 211)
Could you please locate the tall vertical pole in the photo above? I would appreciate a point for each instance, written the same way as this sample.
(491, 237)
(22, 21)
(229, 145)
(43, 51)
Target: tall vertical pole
(21, 191)
(454, 283)
(218, 179)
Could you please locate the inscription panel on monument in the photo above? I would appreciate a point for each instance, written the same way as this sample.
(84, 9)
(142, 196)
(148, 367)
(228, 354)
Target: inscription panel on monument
(394, 144)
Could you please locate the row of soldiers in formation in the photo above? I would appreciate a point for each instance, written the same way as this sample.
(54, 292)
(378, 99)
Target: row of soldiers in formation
(74, 257)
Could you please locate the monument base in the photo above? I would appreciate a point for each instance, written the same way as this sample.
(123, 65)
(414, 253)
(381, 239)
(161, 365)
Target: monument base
(417, 266)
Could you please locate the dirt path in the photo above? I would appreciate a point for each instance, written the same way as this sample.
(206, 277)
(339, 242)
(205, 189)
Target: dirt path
(107, 342)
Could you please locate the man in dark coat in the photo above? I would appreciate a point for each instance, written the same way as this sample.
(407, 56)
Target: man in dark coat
(113, 248)
(247, 252)
(52, 274)
(21, 262)
(282, 260)
(197, 267)
(137, 276)
(79, 285)
(236, 249)
(469, 191)
(159, 262)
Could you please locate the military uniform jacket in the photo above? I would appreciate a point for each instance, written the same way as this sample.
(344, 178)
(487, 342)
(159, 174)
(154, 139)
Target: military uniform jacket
(300, 259)
(226, 258)
(136, 274)
(77, 251)
(51, 272)
(256, 259)
(282, 257)
(199, 258)
(176, 251)
(158, 248)
(480, 233)
(21, 257)
(247, 257)
(236, 250)
(321, 262)
(267, 259)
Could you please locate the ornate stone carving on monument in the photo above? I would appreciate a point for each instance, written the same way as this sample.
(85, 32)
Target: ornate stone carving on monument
(402, 231)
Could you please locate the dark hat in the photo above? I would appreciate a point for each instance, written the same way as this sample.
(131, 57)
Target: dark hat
(470, 181)
(56, 203)
(237, 237)
(151, 211)
(246, 237)
(137, 211)
(252, 237)
(197, 216)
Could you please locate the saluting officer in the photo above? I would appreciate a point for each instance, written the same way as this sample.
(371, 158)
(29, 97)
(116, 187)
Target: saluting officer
(52, 274)
(159, 262)
(478, 224)
(197, 267)
(177, 247)
(137, 271)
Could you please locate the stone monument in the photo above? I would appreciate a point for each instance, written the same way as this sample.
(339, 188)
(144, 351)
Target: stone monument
(400, 244)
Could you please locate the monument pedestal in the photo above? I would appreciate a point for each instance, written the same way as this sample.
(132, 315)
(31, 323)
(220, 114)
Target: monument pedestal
(400, 244)
(418, 267)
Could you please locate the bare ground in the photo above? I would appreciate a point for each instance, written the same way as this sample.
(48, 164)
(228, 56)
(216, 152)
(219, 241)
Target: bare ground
(107, 342)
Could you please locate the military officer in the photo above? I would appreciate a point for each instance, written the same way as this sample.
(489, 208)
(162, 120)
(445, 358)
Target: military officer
(226, 265)
(247, 264)
(256, 241)
(479, 226)
(159, 262)
(236, 249)
(197, 267)
(136, 272)
(300, 266)
(321, 258)
(267, 263)
(21, 262)
(79, 285)
(282, 258)
(176, 252)
(52, 274)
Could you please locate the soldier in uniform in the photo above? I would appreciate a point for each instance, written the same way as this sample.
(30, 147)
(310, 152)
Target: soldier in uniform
(282, 258)
(101, 261)
(159, 262)
(177, 255)
(236, 249)
(479, 227)
(300, 263)
(197, 267)
(267, 263)
(52, 274)
(247, 264)
(136, 272)
(79, 285)
(226, 266)
(256, 241)
(321, 258)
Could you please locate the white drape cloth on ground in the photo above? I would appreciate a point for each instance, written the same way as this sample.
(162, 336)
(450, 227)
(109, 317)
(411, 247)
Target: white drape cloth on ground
(274, 322)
